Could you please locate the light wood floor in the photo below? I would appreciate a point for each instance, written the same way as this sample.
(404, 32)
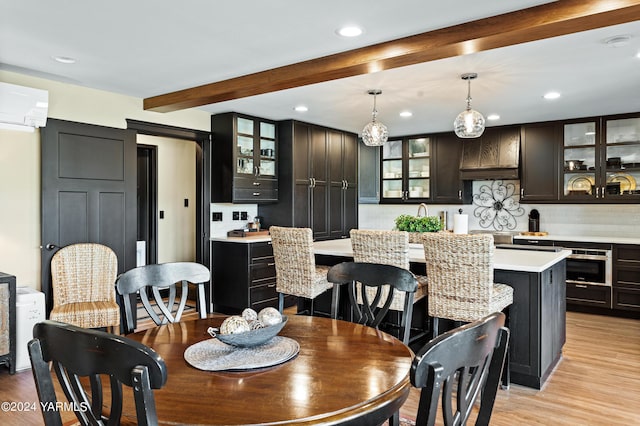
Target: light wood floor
(596, 383)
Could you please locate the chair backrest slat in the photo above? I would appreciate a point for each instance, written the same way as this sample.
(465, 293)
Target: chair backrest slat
(172, 276)
(75, 353)
(464, 363)
(373, 306)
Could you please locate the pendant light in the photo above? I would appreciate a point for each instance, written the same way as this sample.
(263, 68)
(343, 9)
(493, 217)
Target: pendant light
(374, 133)
(469, 123)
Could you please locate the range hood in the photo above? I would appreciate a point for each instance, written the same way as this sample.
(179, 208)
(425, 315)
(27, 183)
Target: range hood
(494, 155)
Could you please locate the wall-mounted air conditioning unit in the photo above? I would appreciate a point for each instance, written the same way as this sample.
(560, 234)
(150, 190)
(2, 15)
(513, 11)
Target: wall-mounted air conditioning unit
(22, 108)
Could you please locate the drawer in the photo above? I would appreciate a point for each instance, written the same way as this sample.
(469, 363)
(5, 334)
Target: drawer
(532, 242)
(257, 194)
(589, 295)
(627, 299)
(262, 271)
(628, 254)
(261, 251)
(627, 277)
(263, 292)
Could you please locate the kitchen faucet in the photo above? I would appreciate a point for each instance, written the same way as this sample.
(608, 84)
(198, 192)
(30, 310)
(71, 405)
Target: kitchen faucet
(423, 207)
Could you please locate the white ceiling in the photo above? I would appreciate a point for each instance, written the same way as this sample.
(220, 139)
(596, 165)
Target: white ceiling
(145, 48)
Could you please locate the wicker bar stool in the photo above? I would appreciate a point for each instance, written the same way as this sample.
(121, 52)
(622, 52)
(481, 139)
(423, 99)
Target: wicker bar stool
(83, 281)
(460, 271)
(387, 248)
(296, 270)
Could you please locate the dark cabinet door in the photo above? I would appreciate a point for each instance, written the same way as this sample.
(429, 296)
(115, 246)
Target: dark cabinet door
(539, 180)
(447, 187)
(342, 164)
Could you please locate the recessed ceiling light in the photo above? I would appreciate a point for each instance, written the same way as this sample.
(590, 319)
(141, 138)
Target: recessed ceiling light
(301, 108)
(617, 41)
(64, 59)
(349, 31)
(493, 117)
(552, 95)
(406, 114)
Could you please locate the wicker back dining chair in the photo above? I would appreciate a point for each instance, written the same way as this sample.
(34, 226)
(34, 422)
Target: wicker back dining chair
(459, 366)
(83, 278)
(296, 271)
(387, 248)
(460, 271)
(369, 296)
(171, 276)
(461, 287)
(75, 353)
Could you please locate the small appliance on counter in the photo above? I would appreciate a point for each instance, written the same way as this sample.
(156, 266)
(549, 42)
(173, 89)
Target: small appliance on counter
(534, 221)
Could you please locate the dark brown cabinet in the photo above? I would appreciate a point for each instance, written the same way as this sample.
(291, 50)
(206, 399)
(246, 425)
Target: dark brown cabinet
(244, 276)
(539, 170)
(244, 159)
(318, 180)
(626, 277)
(446, 185)
(494, 155)
(537, 321)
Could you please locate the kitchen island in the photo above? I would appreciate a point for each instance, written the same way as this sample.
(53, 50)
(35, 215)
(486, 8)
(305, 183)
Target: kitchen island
(536, 317)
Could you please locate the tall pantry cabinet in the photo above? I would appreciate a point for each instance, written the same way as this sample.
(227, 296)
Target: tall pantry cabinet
(318, 186)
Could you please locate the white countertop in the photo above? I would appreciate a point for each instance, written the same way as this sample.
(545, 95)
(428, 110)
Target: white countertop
(245, 240)
(582, 238)
(504, 259)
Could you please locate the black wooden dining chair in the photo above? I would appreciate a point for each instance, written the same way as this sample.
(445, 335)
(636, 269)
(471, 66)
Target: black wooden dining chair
(158, 277)
(461, 364)
(367, 307)
(77, 353)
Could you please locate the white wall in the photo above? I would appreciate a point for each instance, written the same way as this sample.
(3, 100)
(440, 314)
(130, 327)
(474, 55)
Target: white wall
(20, 162)
(176, 181)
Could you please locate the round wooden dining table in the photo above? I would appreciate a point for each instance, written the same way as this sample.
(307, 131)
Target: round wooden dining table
(344, 373)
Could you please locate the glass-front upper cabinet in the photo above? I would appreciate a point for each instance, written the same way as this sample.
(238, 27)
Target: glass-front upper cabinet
(580, 159)
(622, 157)
(406, 169)
(256, 147)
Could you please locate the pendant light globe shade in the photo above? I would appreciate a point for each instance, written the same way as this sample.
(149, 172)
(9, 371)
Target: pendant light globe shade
(374, 133)
(469, 123)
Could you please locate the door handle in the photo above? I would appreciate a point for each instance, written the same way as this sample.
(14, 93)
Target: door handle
(50, 247)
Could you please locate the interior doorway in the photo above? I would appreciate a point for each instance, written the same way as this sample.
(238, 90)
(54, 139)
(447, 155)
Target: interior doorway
(147, 204)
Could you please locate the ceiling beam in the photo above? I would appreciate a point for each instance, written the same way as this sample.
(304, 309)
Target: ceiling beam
(536, 23)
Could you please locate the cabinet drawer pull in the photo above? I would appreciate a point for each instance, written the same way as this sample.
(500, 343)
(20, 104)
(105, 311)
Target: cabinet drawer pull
(271, 264)
(256, 194)
(581, 286)
(271, 285)
(256, 183)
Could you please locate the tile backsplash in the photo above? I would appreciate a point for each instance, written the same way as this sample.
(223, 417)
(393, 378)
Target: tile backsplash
(616, 220)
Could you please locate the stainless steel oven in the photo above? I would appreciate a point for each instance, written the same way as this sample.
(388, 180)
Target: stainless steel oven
(589, 266)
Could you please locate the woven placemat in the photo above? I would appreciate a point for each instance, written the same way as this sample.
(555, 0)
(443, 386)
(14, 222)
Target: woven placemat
(213, 355)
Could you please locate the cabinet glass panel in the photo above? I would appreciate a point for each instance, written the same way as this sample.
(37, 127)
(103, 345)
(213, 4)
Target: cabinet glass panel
(579, 159)
(419, 167)
(392, 169)
(267, 167)
(419, 147)
(267, 130)
(245, 146)
(419, 188)
(245, 166)
(392, 149)
(624, 130)
(245, 126)
(580, 134)
(267, 149)
(579, 184)
(392, 188)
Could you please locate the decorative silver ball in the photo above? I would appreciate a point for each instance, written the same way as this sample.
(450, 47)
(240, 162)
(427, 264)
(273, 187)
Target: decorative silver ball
(249, 314)
(256, 324)
(270, 316)
(234, 325)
